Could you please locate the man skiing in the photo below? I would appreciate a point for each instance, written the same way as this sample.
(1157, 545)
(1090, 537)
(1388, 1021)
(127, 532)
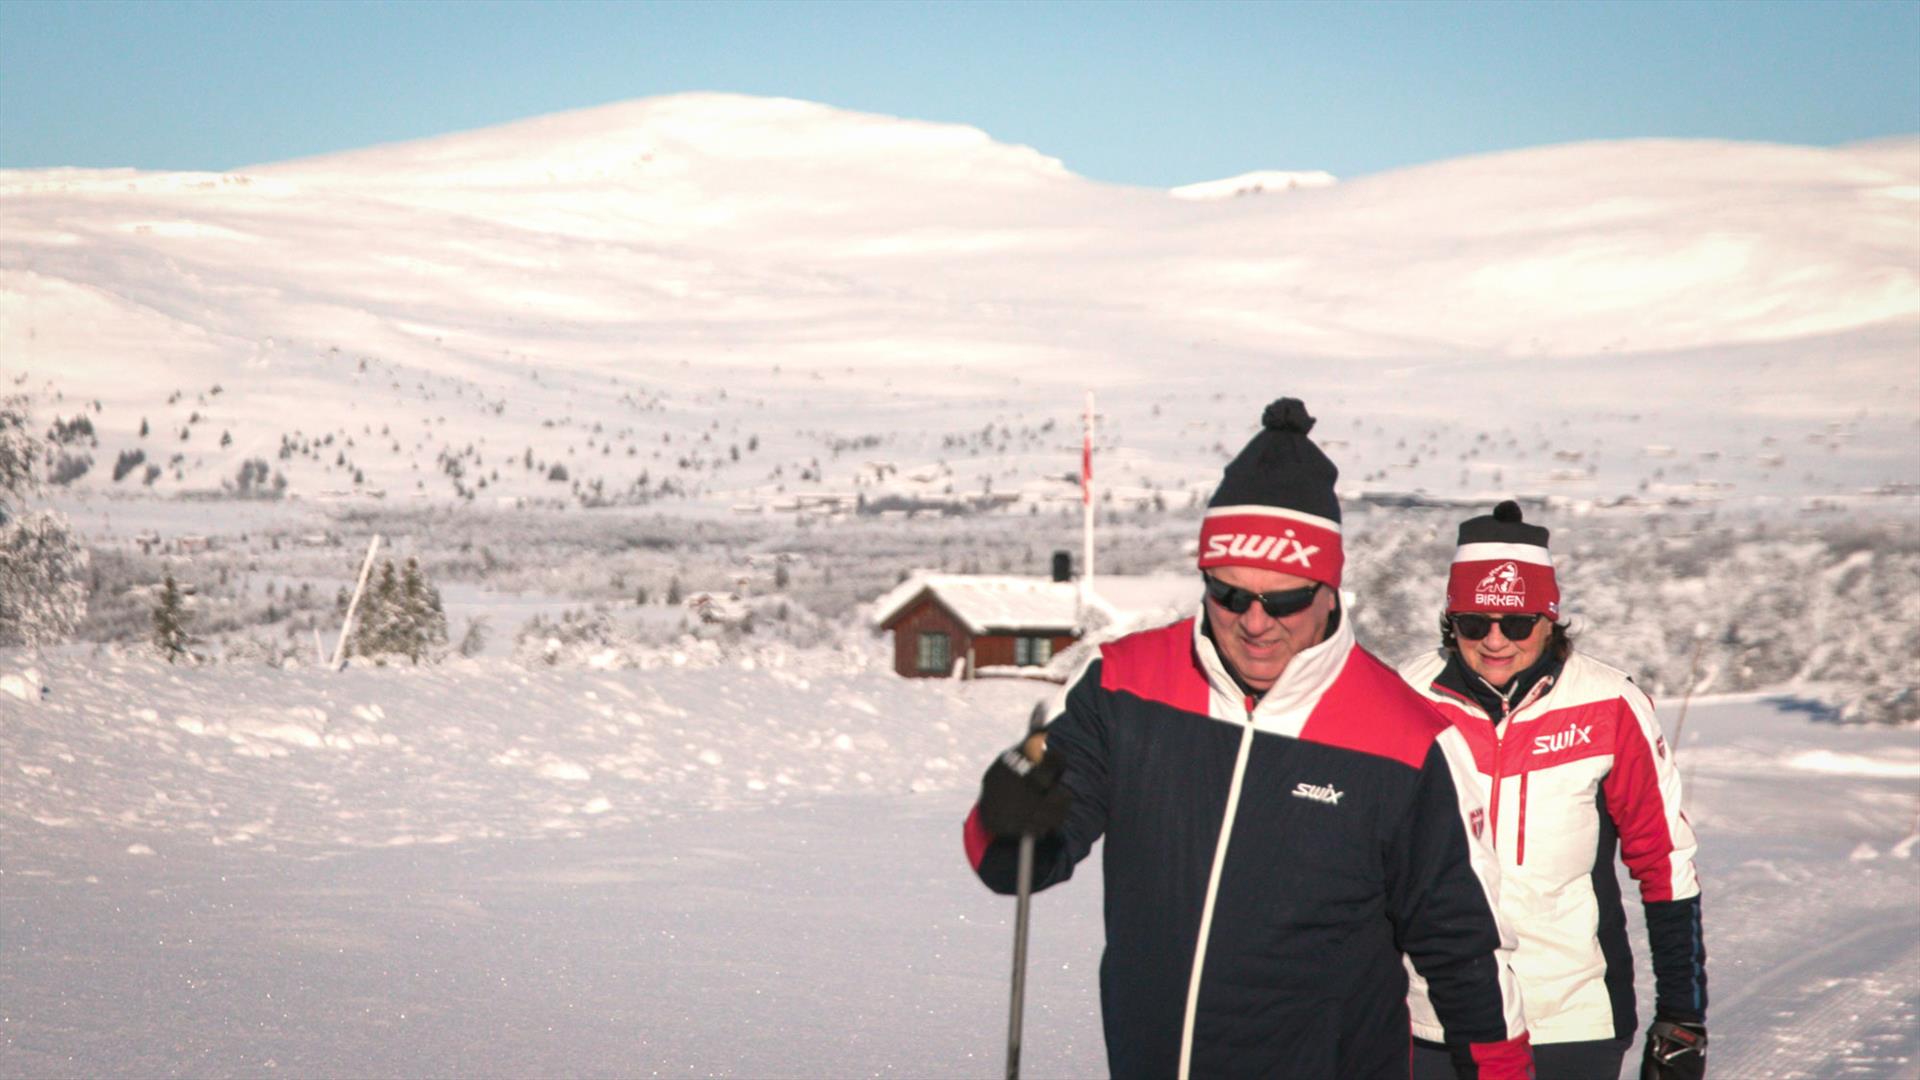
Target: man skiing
(1284, 819)
(1573, 767)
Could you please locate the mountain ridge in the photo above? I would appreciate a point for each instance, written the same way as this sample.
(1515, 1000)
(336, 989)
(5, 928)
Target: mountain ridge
(975, 279)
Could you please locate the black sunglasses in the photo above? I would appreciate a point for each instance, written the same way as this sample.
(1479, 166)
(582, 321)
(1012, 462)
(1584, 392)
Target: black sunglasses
(1278, 605)
(1513, 627)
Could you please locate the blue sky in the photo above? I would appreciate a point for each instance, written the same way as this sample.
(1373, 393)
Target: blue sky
(1138, 93)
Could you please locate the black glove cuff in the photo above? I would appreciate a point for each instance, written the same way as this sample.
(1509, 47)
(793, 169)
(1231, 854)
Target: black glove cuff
(1667, 1041)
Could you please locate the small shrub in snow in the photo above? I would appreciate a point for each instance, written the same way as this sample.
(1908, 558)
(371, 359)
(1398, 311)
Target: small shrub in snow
(64, 432)
(170, 623)
(474, 640)
(128, 461)
(548, 641)
(68, 468)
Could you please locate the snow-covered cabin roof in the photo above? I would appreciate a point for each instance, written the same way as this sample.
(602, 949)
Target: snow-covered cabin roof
(1004, 602)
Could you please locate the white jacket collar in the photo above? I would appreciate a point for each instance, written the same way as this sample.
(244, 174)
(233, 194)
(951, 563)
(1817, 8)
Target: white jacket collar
(1284, 707)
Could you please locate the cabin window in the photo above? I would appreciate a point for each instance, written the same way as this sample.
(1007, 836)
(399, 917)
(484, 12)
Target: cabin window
(1032, 651)
(935, 653)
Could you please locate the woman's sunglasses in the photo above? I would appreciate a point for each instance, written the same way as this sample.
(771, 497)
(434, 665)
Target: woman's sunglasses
(1513, 627)
(1278, 604)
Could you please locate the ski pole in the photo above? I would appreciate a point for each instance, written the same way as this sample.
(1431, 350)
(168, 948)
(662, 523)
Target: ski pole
(1693, 679)
(1023, 901)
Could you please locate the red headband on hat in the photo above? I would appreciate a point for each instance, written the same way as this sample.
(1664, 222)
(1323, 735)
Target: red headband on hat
(1500, 578)
(1272, 538)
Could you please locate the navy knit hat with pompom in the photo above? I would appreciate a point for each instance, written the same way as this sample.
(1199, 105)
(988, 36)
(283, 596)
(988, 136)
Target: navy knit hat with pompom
(1275, 508)
(1502, 565)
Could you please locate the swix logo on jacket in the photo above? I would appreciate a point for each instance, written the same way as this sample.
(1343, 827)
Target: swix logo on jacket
(1268, 864)
(1318, 792)
(1578, 771)
(1575, 735)
(1502, 587)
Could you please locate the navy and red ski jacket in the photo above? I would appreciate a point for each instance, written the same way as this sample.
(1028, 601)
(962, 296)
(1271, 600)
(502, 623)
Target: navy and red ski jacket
(1268, 864)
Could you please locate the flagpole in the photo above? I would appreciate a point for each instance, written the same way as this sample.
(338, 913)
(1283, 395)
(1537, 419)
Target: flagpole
(1086, 500)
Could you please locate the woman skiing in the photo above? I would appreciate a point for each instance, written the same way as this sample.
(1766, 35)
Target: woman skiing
(1573, 769)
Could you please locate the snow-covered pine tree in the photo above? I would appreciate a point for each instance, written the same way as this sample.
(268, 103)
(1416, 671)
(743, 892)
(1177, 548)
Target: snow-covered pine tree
(422, 627)
(43, 595)
(17, 454)
(376, 627)
(412, 611)
(170, 623)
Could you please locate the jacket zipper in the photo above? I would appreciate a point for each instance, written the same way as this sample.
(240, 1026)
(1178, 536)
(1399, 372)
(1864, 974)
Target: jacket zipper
(1499, 770)
(1520, 857)
(1213, 889)
(1526, 768)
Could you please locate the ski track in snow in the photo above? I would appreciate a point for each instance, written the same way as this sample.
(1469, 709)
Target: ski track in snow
(480, 869)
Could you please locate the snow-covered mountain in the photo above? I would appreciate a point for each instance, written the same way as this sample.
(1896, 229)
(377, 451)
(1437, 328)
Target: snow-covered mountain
(1259, 182)
(675, 277)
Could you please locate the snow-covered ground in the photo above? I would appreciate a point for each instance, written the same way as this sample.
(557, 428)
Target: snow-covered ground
(730, 865)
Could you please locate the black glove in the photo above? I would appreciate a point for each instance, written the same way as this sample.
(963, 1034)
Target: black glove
(1021, 796)
(1676, 1050)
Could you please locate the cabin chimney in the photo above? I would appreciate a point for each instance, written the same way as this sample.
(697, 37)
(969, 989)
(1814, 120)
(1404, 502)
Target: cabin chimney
(1062, 566)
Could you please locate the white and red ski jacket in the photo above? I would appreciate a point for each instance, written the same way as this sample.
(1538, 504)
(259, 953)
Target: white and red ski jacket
(1577, 770)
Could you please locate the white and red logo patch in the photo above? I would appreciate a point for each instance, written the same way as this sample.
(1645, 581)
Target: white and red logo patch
(1575, 735)
(1272, 538)
(1504, 586)
(1478, 820)
(1282, 551)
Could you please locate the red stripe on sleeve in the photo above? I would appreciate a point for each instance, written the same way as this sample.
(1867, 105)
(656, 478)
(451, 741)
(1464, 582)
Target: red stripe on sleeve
(1633, 796)
(976, 837)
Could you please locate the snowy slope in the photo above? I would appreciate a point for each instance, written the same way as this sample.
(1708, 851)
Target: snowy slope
(660, 271)
(709, 869)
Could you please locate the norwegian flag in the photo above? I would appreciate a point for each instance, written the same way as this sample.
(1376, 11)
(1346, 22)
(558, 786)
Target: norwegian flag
(1086, 468)
(1086, 454)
